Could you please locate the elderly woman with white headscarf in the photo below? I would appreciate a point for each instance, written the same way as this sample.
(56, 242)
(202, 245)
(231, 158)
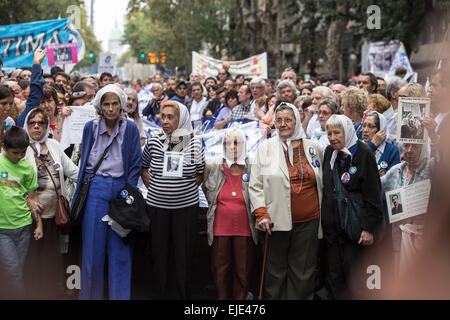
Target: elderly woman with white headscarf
(230, 223)
(416, 167)
(120, 166)
(374, 130)
(351, 206)
(44, 270)
(172, 169)
(285, 194)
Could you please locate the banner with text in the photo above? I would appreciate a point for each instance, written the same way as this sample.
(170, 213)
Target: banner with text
(255, 66)
(19, 41)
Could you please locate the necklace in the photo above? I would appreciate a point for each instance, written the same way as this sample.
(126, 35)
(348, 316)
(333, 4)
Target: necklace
(233, 187)
(301, 169)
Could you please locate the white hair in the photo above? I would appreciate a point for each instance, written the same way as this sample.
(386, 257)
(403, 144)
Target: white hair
(327, 93)
(258, 80)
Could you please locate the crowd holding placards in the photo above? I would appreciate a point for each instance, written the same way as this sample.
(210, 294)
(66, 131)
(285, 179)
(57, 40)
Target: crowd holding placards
(310, 196)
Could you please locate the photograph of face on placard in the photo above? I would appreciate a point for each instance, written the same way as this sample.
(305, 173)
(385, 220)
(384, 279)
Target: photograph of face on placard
(411, 113)
(173, 164)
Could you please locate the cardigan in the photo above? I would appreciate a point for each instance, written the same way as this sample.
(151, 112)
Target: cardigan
(213, 180)
(131, 154)
(391, 155)
(67, 167)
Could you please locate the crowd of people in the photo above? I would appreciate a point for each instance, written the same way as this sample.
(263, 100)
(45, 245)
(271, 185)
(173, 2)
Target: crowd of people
(311, 199)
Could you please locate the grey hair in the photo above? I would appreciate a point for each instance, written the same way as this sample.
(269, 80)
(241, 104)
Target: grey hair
(334, 121)
(327, 93)
(157, 84)
(258, 80)
(82, 85)
(415, 90)
(289, 69)
(283, 84)
(130, 90)
(394, 84)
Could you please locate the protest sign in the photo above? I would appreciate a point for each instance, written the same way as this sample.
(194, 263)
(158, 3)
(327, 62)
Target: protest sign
(377, 57)
(72, 129)
(106, 63)
(411, 112)
(408, 201)
(255, 66)
(59, 54)
(18, 42)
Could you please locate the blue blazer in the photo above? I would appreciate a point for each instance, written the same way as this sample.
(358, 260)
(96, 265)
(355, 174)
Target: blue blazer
(36, 92)
(391, 155)
(131, 153)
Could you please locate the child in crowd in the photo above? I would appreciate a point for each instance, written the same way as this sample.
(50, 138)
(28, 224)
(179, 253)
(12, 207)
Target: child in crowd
(18, 203)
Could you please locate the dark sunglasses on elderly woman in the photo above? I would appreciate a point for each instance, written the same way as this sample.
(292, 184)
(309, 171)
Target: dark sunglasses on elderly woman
(39, 123)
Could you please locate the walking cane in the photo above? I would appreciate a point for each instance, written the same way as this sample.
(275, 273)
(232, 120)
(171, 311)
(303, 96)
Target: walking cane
(263, 266)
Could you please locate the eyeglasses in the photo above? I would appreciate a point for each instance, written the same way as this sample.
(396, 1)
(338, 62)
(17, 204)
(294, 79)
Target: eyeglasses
(78, 94)
(257, 87)
(17, 91)
(370, 126)
(39, 123)
(325, 113)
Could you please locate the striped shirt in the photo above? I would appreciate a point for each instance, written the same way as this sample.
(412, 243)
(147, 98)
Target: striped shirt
(173, 192)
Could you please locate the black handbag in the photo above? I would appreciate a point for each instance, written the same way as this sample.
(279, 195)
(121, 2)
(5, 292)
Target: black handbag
(349, 205)
(129, 209)
(77, 210)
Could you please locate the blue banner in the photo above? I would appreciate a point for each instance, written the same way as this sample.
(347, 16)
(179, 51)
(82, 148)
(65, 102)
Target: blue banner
(19, 41)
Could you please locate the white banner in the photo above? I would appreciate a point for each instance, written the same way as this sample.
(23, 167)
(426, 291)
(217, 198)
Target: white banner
(377, 57)
(255, 66)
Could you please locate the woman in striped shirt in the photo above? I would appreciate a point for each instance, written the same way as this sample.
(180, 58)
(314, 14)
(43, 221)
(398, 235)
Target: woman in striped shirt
(172, 169)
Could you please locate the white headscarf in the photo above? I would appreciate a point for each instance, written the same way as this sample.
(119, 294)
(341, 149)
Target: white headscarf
(298, 132)
(110, 88)
(37, 144)
(383, 127)
(184, 126)
(241, 159)
(350, 137)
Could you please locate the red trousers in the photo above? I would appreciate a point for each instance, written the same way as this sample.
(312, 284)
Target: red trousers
(232, 260)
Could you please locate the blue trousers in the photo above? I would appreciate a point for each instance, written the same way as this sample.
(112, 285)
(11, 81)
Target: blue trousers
(99, 239)
(14, 244)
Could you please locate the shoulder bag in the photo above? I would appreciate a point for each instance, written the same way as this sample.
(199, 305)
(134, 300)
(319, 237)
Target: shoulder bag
(77, 210)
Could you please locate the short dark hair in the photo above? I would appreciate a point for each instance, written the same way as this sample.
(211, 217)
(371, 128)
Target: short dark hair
(401, 71)
(105, 74)
(24, 84)
(63, 74)
(15, 138)
(197, 84)
(5, 91)
(373, 79)
(54, 70)
(231, 94)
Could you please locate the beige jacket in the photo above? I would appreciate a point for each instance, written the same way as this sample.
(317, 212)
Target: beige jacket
(269, 182)
(213, 181)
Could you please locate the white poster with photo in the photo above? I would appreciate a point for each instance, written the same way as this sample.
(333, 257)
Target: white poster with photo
(377, 57)
(72, 129)
(173, 164)
(106, 63)
(255, 66)
(408, 201)
(411, 112)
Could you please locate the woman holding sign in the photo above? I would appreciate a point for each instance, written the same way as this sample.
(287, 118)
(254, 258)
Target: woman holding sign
(351, 206)
(416, 167)
(172, 169)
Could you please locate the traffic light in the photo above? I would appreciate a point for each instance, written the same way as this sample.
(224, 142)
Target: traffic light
(91, 56)
(163, 57)
(152, 57)
(142, 55)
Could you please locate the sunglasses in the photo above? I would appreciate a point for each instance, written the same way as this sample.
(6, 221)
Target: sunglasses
(39, 123)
